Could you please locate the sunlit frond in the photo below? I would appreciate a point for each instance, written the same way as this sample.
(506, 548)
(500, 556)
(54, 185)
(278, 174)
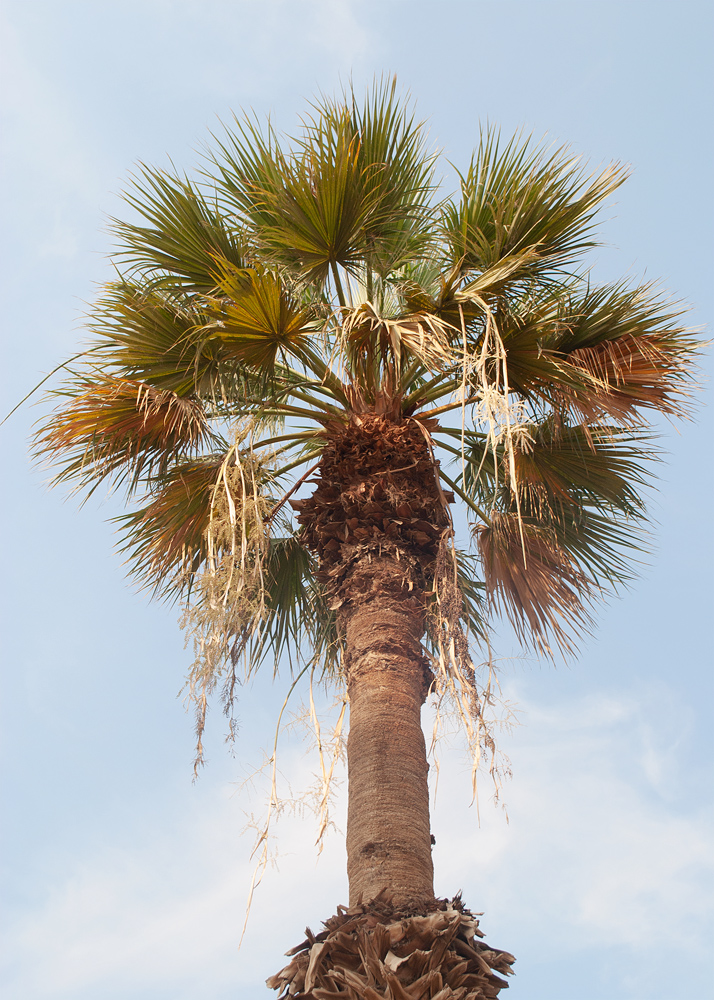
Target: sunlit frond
(602, 353)
(651, 371)
(355, 189)
(253, 316)
(120, 429)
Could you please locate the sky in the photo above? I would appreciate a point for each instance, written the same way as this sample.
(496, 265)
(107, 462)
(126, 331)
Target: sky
(120, 877)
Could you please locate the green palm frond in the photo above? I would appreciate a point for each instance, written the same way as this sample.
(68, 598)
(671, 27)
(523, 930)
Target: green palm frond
(253, 316)
(526, 204)
(307, 207)
(298, 610)
(165, 541)
(396, 167)
(602, 353)
(581, 486)
(355, 189)
(184, 235)
(155, 338)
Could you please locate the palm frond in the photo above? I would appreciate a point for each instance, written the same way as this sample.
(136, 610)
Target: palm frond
(419, 336)
(185, 233)
(152, 337)
(354, 189)
(650, 371)
(396, 169)
(298, 610)
(630, 343)
(120, 429)
(601, 353)
(581, 485)
(165, 541)
(253, 316)
(525, 203)
(534, 582)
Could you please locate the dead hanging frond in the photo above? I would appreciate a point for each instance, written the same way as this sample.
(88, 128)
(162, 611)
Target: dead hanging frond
(459, 692)
(228, 607)
(330, 750)
(534, 581)
(423, 335)
(318, 799)
(485, 379)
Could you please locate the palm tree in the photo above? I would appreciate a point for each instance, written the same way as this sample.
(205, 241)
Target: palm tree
(314, 313)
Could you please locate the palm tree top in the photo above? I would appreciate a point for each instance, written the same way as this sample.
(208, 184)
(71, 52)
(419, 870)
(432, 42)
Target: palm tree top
(300, 294)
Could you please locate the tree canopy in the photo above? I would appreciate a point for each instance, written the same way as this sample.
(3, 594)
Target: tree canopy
(295, 287)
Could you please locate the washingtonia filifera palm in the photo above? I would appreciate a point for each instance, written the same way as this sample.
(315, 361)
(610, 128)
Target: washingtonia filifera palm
(308, 359)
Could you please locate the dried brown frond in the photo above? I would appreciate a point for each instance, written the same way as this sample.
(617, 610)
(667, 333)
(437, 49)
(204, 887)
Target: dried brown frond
(166, 540)
(653, 371)
(425, 336)
(374, 951)
(119, 427)
(462, 691)
(533, 580)
(229, 603)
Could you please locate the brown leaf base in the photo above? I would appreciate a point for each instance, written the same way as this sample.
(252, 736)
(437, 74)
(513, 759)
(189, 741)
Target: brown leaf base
(378, 952)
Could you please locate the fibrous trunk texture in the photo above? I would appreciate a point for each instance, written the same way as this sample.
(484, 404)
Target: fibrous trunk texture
(388, 835)
(379, 952)
(375, 520)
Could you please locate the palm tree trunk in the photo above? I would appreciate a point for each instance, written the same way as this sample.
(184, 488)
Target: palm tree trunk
(388, 834)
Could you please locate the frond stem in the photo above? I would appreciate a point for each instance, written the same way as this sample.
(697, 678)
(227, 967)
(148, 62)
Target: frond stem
(431, 390)
(294, 465)
(338, 284)
(299, 436)
(449, 406)
(467, 500)
(320, 368)
(286, 497)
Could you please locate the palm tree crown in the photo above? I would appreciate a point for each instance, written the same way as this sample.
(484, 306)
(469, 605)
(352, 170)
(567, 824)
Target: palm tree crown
(317, 312)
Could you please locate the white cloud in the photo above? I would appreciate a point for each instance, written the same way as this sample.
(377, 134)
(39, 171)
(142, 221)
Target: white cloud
(136, 919)
(600, 844)
(593, 857)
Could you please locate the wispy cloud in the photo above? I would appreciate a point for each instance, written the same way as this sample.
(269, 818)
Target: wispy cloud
(603, 843)
(592, 848)
(166, 914)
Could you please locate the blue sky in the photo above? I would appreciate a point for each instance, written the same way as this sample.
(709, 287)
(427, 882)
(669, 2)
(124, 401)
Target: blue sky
(121, 878)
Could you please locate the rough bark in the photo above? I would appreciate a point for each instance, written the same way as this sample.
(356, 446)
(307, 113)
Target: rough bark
(375, 520)
(388, 834)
